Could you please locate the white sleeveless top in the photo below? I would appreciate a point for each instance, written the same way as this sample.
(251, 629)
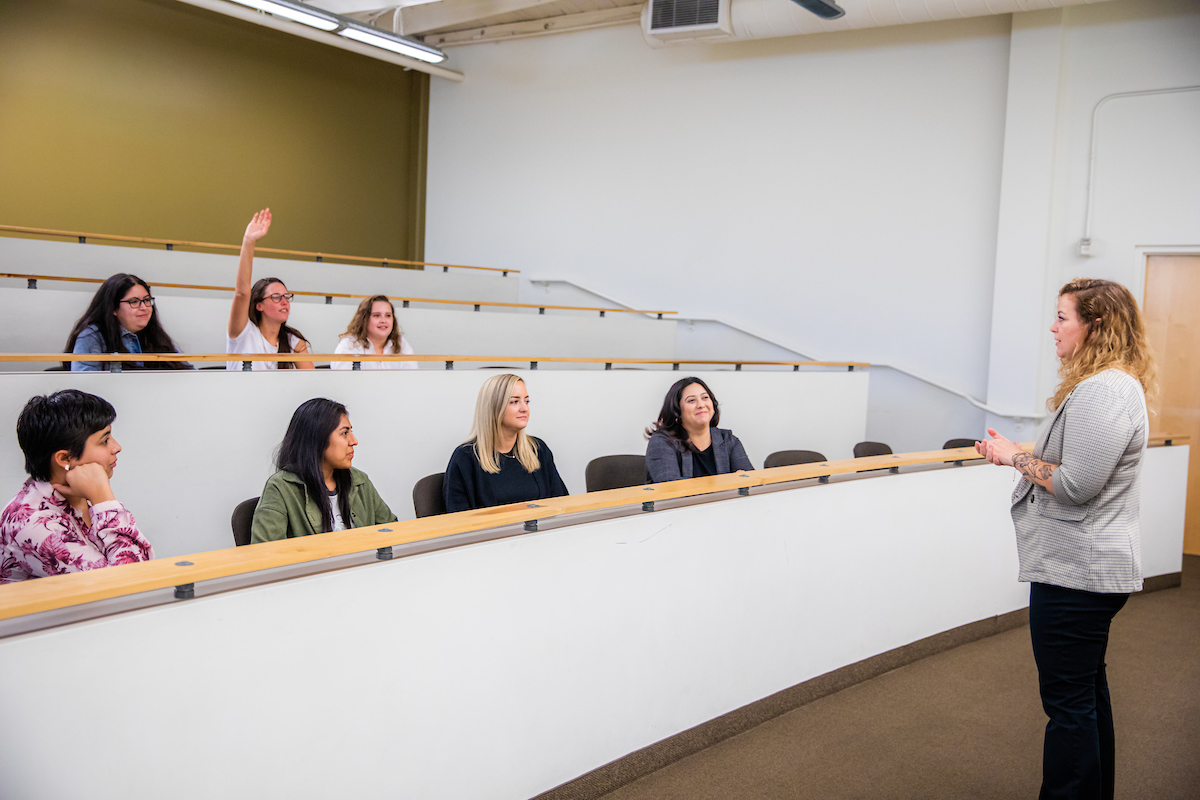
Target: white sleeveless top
(251, 340)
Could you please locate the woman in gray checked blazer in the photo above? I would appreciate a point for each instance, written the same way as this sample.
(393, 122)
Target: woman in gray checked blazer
(685, 442)
(1075, 511)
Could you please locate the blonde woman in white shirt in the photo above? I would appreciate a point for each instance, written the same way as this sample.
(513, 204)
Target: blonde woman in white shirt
(259, 315)
(373, 331)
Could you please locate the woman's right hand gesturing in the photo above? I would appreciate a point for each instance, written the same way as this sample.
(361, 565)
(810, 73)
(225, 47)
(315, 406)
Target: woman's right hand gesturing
(258, 226)
(239, 311)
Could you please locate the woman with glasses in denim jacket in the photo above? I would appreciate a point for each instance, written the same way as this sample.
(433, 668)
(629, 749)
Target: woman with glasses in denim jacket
(121, 319)
(259, 315)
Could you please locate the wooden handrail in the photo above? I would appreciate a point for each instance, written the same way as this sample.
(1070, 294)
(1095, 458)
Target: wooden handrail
(404, 300)
(172, 243)
(448, 358)
(61, 591)
(1168, 439)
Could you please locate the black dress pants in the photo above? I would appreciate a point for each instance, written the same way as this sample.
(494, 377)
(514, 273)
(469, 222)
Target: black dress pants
(1069, 629)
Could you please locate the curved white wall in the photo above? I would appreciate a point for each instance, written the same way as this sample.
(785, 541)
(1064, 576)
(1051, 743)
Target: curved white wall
(40, 320)
(909, 195)
(502, 669)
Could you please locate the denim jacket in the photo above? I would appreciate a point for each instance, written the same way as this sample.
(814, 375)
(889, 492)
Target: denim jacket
(92, 341)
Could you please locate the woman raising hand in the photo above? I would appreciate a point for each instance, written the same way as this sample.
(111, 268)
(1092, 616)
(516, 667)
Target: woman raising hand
(259, 314)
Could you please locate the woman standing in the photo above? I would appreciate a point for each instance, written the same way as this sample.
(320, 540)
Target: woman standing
(259, 314)
(316, 490)
(373, 330)
(500, 463)
(121, 319)
(685, 442)
(1075, 511)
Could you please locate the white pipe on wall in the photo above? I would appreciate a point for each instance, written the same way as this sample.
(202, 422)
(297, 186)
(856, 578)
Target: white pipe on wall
(1091, 176)
(764, 19)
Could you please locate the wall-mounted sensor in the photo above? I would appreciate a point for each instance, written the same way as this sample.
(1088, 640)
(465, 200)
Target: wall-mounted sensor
(825, 9)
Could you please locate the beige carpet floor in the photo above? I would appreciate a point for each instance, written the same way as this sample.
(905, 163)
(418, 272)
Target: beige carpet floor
(968, 724)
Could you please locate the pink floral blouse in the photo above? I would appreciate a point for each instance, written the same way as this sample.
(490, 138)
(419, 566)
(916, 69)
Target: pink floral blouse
(41, 534)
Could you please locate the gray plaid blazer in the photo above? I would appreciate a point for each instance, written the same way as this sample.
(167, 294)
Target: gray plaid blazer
(1085, 535)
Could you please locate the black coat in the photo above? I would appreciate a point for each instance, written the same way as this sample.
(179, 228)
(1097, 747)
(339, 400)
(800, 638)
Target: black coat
(666, 461)
(468, 486)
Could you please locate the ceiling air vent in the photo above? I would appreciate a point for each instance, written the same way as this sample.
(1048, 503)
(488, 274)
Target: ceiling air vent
(682, 21)
(681, 13)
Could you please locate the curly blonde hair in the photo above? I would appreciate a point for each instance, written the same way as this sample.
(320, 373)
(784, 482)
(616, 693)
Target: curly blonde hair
(362, 315)
(1115, 337)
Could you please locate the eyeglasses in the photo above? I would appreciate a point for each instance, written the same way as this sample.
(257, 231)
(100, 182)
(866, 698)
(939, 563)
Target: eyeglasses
(275, 298)
(138, 302)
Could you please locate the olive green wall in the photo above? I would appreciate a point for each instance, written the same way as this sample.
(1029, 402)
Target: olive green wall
(154, 118)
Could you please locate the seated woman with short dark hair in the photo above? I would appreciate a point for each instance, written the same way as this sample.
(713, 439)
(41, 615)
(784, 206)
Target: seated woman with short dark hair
(316, 490)
(121, 319)
(685, 442)
(65, 517)
(500, 463)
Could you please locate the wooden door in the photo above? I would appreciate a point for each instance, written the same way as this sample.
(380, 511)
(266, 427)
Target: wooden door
(1171, 308)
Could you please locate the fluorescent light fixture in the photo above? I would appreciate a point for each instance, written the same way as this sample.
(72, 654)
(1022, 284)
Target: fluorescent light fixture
(290, 11)
(404, 47)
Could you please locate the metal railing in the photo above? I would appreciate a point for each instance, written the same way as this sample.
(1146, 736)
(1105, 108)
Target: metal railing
(115, 360)
(171, 244)
(32, 283)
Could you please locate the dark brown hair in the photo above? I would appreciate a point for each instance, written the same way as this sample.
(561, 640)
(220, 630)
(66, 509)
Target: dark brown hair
(101, 312)
(258, 293)
(670, 418)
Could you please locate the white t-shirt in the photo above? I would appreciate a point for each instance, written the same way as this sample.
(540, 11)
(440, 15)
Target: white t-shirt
(339, 524)
(349, 345)
(251, 340)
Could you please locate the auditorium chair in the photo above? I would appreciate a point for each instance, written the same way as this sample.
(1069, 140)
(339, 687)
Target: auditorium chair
(428, 498)
(243, 518)
(615, 472)
(789, 458)
(864, 449)
(953, 443)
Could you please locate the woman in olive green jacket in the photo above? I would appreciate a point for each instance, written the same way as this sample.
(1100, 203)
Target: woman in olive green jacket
(316, 490)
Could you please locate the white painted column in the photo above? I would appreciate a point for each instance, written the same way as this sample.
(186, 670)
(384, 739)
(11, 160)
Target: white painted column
(1020, 310)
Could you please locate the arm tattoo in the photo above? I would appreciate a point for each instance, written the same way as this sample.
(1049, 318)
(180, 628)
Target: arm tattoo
(1033, 468)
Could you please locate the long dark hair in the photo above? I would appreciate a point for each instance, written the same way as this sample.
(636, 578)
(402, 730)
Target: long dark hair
(303, 448)
(670, 419)
(101, 312)
(258, 292)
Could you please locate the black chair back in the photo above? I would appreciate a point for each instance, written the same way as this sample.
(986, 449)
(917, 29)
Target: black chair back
(864, 449)
(615, 472)
(428, 499)
(243, 518)
(953, 443)
(789, 458)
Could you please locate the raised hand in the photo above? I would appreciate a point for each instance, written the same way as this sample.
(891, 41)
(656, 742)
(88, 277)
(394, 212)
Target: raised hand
(88, 481)
(258, 226)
